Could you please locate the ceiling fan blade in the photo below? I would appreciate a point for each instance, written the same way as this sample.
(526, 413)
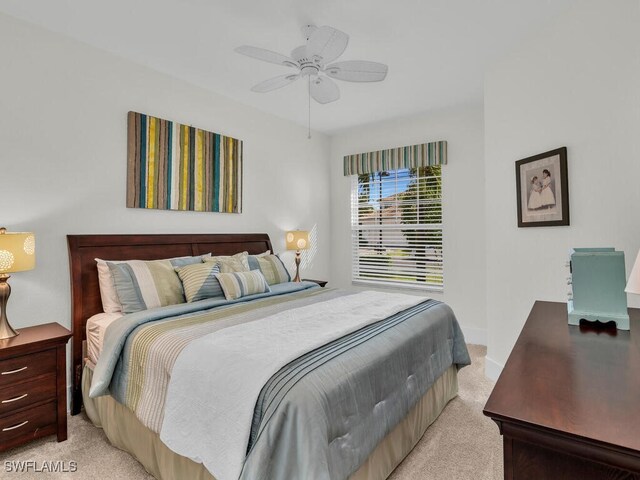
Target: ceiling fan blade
(266, 55)
(274, 83)
(357, 71)
(324, 90)
(327, 44)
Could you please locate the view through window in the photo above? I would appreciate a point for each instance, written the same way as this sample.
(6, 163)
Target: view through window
(396, 224)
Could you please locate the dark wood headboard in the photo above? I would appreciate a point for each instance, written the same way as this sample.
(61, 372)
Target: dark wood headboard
(85, 291)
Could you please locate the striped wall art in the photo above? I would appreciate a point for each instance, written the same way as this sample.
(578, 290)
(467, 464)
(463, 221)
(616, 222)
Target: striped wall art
(178, 167)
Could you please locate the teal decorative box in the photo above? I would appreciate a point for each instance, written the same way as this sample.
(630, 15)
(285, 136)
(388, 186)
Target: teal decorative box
(598, 280)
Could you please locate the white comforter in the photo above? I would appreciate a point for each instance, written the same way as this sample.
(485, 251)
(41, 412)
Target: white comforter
(217, 379)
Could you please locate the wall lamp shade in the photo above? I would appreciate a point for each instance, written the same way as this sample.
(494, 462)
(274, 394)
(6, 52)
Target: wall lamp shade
(297, 240)
(633, 285)
(17, 254)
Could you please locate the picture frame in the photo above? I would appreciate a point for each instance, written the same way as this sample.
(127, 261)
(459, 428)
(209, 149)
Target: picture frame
(542, 189)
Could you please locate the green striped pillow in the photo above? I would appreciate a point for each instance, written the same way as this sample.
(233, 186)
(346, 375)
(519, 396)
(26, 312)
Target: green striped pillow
(199, 281)
(273, 269)
(240, 284)
(141, 285)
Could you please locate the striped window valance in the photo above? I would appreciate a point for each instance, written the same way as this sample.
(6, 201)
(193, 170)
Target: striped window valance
(422, 155)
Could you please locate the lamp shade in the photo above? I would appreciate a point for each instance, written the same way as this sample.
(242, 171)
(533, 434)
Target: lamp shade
(17, 251)
(633, 285)
(297, 240)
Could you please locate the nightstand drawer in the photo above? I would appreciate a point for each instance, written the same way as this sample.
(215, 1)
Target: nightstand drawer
(33, 385)
(27, 425)
(16, 369)
(28, 393)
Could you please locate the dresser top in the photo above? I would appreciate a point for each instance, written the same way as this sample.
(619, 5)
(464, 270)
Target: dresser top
(572, 379)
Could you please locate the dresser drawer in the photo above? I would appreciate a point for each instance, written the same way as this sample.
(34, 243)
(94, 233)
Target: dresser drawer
(27, 425)
(16, 369)
(27, 393)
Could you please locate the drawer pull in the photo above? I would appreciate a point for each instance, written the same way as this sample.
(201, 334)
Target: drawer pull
(15, 399)
(15, 426)
(10, 372)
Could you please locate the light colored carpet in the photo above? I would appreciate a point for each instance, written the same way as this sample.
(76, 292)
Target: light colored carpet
(461, 444)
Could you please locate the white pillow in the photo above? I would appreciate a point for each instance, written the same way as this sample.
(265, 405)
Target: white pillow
(110, 302)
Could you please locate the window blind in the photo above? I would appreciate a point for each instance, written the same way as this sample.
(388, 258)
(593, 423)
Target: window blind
(396, 220)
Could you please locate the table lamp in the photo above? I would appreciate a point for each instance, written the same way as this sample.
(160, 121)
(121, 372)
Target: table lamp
(297, 240)
(633, 285)
(17, 253)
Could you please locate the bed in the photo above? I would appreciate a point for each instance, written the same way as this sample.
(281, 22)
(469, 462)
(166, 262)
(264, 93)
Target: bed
(351, 404)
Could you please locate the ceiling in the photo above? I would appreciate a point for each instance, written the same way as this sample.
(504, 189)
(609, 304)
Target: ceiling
(437, 50)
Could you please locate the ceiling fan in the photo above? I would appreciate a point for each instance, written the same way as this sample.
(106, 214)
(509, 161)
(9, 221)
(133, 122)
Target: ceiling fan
(313, 60)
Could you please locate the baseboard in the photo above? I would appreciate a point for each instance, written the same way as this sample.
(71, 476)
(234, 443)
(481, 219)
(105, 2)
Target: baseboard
(475, 336)
(492, 369)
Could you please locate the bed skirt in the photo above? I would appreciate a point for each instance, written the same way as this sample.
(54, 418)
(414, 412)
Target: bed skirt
(126, 432)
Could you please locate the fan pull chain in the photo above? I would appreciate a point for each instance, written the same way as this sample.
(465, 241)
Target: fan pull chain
(309, 97)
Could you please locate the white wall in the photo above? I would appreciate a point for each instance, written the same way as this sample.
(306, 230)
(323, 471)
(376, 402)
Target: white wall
(576, 84)
(63, 131)
(63, 112)
(463, 205)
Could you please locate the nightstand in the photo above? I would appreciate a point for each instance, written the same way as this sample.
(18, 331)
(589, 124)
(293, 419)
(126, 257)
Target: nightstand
(33, 385)
(322, 283)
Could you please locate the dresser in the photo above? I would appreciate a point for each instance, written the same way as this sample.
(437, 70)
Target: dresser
(568, 400)
(33, 386)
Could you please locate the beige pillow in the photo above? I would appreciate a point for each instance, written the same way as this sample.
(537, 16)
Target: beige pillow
(240, 284)
(273, 269)
(234, 263)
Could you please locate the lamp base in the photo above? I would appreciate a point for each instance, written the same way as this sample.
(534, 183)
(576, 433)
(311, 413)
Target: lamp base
(297, 278)
(6, 331)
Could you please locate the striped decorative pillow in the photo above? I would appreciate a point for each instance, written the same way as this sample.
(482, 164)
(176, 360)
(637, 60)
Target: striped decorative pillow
(199, 281)
(273, 269)
(240, 284)
(253, 260)
(235, 263)
(141, 285)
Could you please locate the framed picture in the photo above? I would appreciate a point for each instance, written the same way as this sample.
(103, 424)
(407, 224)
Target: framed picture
(542, 188)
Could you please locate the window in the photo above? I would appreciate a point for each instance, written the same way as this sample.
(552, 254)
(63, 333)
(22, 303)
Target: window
(396, 227)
